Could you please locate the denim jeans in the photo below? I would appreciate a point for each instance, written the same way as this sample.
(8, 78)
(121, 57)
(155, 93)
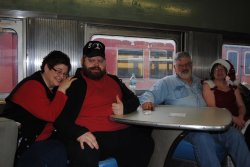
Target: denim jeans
(205, 147)
(48, 153)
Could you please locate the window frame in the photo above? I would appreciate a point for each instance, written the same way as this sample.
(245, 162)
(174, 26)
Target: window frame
(19, 26)
(237, 58)
(245, 54)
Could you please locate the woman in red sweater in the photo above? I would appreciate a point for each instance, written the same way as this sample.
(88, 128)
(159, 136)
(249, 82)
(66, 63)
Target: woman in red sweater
(35, 103)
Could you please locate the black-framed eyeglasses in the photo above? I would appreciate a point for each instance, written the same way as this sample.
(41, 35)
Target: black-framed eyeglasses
(59, 72)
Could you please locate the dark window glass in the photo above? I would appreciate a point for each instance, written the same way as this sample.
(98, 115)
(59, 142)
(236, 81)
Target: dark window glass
(247, 63)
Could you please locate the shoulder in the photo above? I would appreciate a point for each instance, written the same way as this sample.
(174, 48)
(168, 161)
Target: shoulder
(78, 84)
(209, 83)
(170, 78)
(114, 77)
(234, 83)
(167, 81)
(32, 84)
(197, 80)
(30, 89)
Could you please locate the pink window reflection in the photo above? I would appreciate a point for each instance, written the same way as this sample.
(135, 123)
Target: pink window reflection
(8, 61)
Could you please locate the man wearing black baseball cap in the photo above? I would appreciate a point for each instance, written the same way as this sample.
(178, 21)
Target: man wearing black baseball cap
(94, 48)
(93, 60)
(90, 135)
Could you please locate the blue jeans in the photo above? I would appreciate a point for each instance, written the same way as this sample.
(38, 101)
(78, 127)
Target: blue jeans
(205, 147)
(48, 153)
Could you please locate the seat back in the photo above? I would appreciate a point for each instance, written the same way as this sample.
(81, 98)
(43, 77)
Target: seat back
(182, 150)
(110, 162)
(8, 141)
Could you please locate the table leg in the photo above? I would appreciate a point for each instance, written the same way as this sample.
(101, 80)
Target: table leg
(163, 139)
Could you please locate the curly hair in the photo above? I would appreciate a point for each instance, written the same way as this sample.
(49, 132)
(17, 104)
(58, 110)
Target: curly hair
(56, 57)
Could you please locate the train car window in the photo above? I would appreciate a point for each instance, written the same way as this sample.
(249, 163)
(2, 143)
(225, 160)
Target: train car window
(130, 61)
(247, 63)
(8, 60)
(161, 63)
(239, 55)
(11, 55)
(149, 59)
(232, 56)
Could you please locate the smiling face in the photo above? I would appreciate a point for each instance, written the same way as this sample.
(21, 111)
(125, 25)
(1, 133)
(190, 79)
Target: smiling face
(94, 67)
(219, 72)
(183, 68)
(54, 76)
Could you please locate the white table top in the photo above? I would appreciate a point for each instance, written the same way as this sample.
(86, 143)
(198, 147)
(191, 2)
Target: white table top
(177, 117)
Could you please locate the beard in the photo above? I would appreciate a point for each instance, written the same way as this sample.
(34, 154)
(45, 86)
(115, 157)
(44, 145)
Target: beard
(97, 75)
(186, 74)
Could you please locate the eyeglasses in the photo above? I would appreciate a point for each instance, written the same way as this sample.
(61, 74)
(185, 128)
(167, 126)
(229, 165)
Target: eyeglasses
(220, 69)
(189, 64)
(59, 72)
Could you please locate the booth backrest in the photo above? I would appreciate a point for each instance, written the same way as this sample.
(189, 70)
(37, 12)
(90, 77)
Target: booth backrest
(8, 141)
(1, 108)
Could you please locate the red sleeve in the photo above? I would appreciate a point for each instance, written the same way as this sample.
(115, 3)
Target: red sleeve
(32, 97)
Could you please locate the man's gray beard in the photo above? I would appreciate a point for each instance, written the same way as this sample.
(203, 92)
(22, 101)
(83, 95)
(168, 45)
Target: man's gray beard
(95, 76)
(186, 75)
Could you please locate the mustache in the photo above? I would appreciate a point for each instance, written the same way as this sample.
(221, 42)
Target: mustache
(95, 75)
(94, 68)
(185, 71)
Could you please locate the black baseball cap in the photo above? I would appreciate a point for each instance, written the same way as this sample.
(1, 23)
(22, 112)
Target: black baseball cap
(94, 48)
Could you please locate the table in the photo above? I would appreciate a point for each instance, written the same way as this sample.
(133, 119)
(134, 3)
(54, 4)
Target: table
(178, 117)
(169, 122)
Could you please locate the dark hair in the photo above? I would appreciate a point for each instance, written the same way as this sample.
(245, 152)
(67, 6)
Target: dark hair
(213, 68)
(231, 72)
(56, 57)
